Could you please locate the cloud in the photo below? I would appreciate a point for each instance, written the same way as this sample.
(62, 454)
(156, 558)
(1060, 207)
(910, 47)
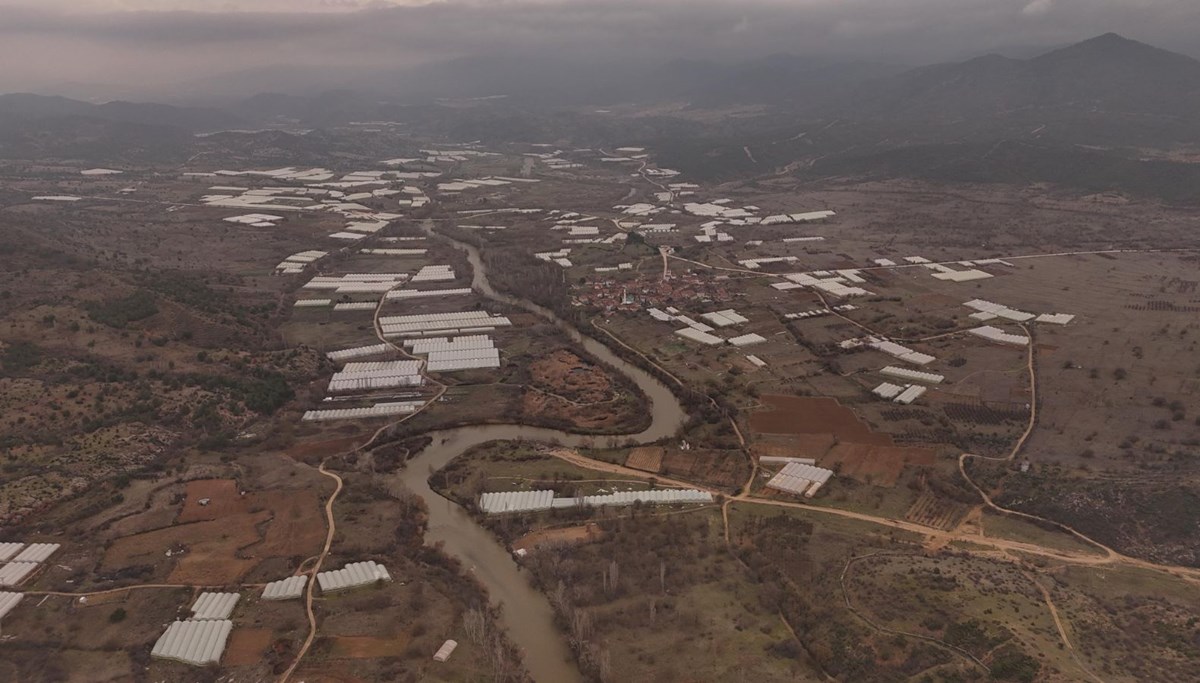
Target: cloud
(130, 42)
(1037, 8)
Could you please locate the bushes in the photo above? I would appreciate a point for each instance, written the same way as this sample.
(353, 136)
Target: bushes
(20, 355)
(1011, 664)
(261, 390)
(120, 312)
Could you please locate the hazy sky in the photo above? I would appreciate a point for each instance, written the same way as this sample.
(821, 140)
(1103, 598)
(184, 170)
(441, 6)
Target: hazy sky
(46, 43)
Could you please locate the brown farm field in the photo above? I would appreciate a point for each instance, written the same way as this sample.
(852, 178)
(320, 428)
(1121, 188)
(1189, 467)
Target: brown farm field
(221, 542)
(814, 415)
(835, 436)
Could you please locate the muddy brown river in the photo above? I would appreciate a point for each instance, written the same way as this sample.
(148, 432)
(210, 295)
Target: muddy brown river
(525, 613)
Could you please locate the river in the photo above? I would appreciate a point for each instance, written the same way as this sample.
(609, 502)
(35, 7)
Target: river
(524, 612)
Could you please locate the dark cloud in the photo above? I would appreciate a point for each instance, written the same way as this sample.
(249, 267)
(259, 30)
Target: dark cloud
(39, 47)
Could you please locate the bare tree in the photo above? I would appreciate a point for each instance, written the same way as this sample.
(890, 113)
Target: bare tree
(475, 623)
(581, 626)
(559, 597)
(603, 668)
(502, 663)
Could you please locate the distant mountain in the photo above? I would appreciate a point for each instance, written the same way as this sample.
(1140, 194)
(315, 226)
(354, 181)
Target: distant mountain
(1108, 74)
(90, 139)
(782, 79)
(39, 107)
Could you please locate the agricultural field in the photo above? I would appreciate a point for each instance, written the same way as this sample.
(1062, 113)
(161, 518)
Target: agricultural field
(191, 404)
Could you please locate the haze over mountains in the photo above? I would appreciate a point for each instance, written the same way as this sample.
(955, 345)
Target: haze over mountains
(1109, 99)
(1108, 74)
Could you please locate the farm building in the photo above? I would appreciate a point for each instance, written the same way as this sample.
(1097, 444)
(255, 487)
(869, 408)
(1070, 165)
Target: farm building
(193, 642)
(910, 394)
(1055, 318)
(516, 501)
(800, 479)
(998, 335)
(999, 310)
(887, 390)
(912, 375)
(36, 552)
(430, 324)
(285, 589)
(358, 352)
(698, 336)
(352, 575)
(654, 496)
(433, 274)
(533, 501)
(426, 293)
(901, 352)
(377, 375)
(8, 601)
(377, 410)
(747, 339)
(13, 573)
(445, 651)
(210, 606)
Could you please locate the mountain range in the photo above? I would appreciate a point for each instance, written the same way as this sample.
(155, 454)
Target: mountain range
(1108, 95)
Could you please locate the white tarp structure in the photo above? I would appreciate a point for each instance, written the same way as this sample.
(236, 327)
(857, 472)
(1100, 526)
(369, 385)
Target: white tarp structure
(516, 501)
(193, 642)
(886, 390)
(725, 318)
(211, 606)
(8, 601)
(377, 375)
(351, 576)
(394, 252)
(999, 310)
(297, 262)
(36, 552)
(424, 293)
(998, 335)
(800, 479)
(14, 573)
(899, 351)
(951, 275)
(653, 496)
(535, 501)
(912, 375)
(377, 410)
(360, 283)
(434, 344)
(7, 550)
(434, 274)
(445, 651)
(465, 359)
(358, 352)
(429, 324)
(910, 394)
(285, 589)
(463, 353)
(1055, 318)
(698, 336)
(747, 339)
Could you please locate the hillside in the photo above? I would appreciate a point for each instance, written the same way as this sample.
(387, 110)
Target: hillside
(1108, 74)
(39, 108)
